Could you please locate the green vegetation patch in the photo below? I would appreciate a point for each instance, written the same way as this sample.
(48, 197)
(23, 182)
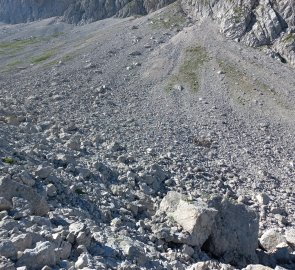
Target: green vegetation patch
(173, 16)
(242, 88)
(8, 160)
(43, 57)
(12, 65)
(190, 68)
(16, 45)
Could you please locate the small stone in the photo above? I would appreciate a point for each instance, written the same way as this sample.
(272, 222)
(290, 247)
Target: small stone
(290, 236)
(271, 238)
(4, 204)
(43, 171)
(188, 250)
(262, 199)
(27, 179)
(83, 261)
(74, 144)
(51, 190)
(46, 267)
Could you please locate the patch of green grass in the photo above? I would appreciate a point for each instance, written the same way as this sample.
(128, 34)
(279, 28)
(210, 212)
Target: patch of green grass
(43, 57)
(8, 160)
(173, 16)
(12, 65)
(16, 45)
(190, 68)
(63, 59)
(242, 88)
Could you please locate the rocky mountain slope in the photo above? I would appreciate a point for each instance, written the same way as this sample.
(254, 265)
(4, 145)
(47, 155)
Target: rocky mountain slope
(255, 22)
(77, 11)
(144, 143)
(269, 24)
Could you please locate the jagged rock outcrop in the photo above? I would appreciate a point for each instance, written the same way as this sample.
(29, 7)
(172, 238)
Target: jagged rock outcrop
(253, 22)
(78, 11)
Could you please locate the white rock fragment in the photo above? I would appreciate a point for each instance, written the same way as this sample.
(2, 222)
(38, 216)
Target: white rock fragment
(262, 199)
(43, 254)
(51, 190)
(194, 217)
(271, 239)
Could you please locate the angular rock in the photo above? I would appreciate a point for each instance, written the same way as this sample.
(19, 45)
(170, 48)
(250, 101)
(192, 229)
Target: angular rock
(194, 217)
(271, 238)
(6, 264)
(234, 237)
(290, 236)
(262, 199)
(43, 171)
(5, 204)
(208, 265)
(7, 249)
(257, 267)
(22, 241)
(10, 189)
(83, 261)
(43, 254)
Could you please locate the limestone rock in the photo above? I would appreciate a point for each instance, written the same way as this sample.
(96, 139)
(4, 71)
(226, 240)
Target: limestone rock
(234, 236)
(290, 236)
(271, 238)
(43, 254)
(195, 218)
(210, 265)
(6, 264)
(10, 189)
(5, 204)
(257, 267)
(43, 171)
(7, 249)
(22, 241)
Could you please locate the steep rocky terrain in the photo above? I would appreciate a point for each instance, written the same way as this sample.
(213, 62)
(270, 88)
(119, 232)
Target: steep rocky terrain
(255, 22)
(144, 143)
(269, 24)
(77, 11)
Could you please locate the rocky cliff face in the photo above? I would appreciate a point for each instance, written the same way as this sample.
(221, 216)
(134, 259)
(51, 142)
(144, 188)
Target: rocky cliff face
(256, 23)
(77, 11)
